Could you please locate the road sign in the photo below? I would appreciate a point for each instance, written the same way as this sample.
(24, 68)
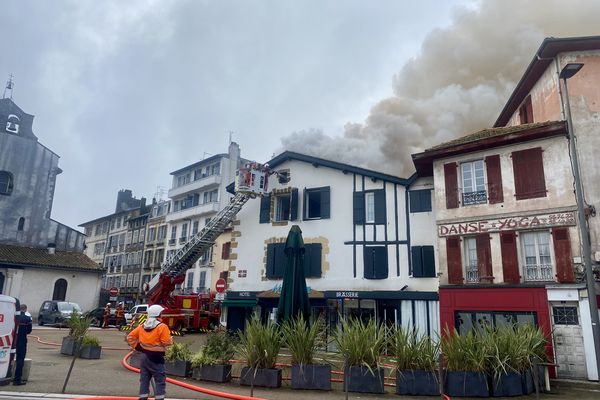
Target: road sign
(113, 291)
(221, 285)
(219, 296)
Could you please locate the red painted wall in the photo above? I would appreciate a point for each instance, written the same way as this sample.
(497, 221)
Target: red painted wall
(497, 299)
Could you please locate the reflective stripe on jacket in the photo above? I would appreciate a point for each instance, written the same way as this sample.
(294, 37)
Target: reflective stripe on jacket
(156, 339)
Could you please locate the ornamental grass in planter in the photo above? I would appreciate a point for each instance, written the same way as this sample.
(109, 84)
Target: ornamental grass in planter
(416, 362)
(212, 363)
(302, 340)
(259, 345)
(178, 359)
(466, 358)
(362, 344)
(90, 348)
(78, 326)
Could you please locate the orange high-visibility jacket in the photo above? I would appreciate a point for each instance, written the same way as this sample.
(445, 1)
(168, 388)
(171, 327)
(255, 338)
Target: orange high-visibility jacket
(155, 340)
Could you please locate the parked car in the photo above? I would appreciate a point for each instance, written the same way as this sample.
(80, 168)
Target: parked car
(54, 312)
(97, 316)
(139, 309)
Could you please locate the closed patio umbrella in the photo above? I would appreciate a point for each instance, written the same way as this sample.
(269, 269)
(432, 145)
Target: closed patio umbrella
(294, 297)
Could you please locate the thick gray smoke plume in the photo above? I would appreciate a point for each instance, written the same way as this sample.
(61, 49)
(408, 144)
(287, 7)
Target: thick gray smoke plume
(456, 85)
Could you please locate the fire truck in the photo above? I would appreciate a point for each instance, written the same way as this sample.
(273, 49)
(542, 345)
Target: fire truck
(200, 311)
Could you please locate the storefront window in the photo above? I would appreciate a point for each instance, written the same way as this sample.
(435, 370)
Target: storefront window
(465, 321)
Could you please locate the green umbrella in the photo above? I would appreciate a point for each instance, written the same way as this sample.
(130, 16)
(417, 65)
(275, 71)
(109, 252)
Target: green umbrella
(293, 299)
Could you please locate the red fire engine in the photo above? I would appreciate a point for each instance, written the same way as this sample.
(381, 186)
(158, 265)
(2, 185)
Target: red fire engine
(201, 311)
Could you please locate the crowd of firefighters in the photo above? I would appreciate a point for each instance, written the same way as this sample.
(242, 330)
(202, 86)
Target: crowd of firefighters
(119, 316)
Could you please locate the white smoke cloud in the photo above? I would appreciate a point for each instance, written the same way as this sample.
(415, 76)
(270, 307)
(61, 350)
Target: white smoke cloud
(456, 85)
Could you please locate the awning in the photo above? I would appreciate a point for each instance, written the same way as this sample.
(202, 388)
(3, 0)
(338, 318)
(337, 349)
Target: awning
(239, 303)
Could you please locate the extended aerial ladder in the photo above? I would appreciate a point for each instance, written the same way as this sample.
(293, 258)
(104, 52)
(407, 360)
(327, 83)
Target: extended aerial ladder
(251, 181)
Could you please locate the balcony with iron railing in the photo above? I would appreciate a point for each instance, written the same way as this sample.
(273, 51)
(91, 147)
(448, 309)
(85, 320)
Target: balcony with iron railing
(472, 274)
(471, 198)
(538, 273)
(194, 186)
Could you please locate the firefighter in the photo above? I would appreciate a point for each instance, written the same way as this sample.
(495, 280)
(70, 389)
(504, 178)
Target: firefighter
(152, 339)
(120, 314)
(24, 327)
(106, 316)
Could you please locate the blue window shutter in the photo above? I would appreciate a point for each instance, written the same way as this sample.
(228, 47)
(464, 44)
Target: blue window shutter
(428, 257)
(294, 205)
(416, 261)
(265, 209)
(359, 208)
(270, 260)
(325, 202)
(415, 201)
(426, 200)
(380, 215)
(369, 271)
(312, 260)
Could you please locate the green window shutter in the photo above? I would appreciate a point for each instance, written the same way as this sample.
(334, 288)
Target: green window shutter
(265, 209)
(415, 201)
(325, 202)
(380, 215)
(428, 257)
(359, 208)
(369, 271)
(416, 261)
(312, 260)
(425, 196)
(270, 260)
(304, 205)
(294, 205)
(279, 266)
(420, 200)
(375, 260)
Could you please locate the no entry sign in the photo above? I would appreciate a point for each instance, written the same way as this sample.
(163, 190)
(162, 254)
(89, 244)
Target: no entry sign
(113, 291)
(221, 285)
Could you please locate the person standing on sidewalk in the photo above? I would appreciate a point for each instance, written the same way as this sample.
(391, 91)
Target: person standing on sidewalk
(120, 314)
(152, 339)
(24, 327)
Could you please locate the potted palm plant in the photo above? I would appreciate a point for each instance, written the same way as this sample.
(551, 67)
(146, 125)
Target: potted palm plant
(259, 345)
(90, 347)
(466, 358)
(362, 344)
(178, 359)
(212, 363)
(78, 326)
(302, 341)
(416, 362)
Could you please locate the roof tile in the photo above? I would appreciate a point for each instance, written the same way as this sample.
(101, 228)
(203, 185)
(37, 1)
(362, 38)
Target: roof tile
(39, 257)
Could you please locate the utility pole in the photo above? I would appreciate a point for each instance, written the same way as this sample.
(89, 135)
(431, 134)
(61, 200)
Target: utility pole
(567, 72)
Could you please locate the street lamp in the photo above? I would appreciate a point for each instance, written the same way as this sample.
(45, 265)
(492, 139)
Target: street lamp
(567, 72)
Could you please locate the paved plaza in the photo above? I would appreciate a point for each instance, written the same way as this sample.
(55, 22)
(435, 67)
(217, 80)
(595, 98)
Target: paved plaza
(108, 377)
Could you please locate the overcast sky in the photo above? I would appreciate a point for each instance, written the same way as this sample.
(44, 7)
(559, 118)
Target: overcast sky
(128, 91)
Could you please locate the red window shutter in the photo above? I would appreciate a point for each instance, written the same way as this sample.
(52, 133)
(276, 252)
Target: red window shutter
(526, 111)
(510, 259)
(226, 249)
(453, 257)
(451, 179)
(484, 258)
(494, 176)
(528, 169)
(562, 252)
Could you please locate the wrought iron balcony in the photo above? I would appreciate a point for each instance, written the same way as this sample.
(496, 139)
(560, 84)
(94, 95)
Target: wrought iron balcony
(470, 198)
(539, 273)
(472, 274)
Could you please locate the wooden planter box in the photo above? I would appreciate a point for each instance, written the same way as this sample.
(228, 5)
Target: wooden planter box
(311, 376)
(509, 384)
(178, 368)
(68, 346)
(265, 377)
(213, 373)
(91, 352)
(417, 383)
(466, 384)
(361, 379)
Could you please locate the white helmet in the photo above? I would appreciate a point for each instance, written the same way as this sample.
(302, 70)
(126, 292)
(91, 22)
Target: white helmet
(155, 310)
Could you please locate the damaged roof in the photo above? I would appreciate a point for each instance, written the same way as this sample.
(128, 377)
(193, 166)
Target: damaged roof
(21, 256)
(485, 139)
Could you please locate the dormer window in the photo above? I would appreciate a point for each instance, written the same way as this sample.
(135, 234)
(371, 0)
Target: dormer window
(12, 124)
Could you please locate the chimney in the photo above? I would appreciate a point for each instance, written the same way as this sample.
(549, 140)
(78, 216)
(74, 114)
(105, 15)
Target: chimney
(51, 248)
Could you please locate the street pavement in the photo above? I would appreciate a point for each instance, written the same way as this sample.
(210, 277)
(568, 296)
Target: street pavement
(108, 377)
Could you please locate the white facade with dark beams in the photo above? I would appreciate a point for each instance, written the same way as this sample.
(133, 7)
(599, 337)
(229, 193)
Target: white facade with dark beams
(369, 248)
